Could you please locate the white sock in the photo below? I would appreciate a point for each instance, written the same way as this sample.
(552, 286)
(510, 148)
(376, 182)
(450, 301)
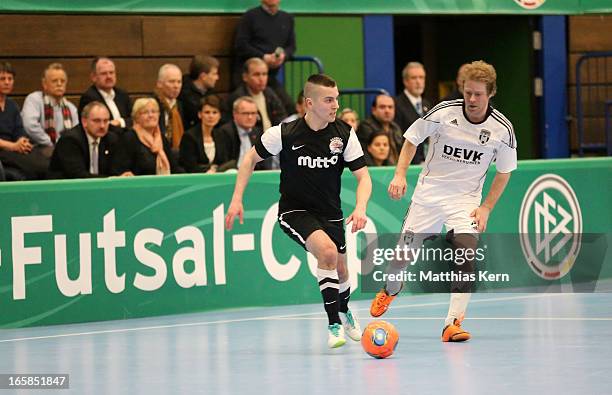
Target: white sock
(457, 306)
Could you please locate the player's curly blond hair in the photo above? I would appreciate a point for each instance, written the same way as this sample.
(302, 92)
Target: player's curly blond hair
(483, 72)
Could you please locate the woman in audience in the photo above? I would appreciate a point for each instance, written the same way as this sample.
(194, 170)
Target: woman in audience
(349, 116)
(143, 149)
(378, 149)
(204, 149)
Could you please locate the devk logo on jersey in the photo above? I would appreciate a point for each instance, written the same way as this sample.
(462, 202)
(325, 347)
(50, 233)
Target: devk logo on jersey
(462, 154)
(317, 162)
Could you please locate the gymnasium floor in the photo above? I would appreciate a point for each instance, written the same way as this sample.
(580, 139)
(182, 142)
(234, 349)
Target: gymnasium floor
(522, 344)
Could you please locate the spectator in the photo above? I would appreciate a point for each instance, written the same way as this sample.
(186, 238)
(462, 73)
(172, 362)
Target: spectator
(242, 131)
(457, 92)
(255, 84)
(410, 103)
(104, 90)
(169, 82)
(383, 112)
(21, 160)
(86, 150)
(351, 117)
(199, 83)
(204, 148)
(300, 109)
(47, 113)
(268, 33)
(378, 149)
(143, 149)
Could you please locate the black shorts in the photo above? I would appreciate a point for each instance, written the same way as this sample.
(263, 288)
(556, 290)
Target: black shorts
(299, 224)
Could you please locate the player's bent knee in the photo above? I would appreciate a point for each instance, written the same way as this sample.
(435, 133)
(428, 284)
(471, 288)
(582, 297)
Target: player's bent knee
(328, 254)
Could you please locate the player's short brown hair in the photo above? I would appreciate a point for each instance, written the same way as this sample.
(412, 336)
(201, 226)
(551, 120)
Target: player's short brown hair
(318, 80)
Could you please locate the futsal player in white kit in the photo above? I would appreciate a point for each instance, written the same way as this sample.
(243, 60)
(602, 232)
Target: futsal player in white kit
(466, 136)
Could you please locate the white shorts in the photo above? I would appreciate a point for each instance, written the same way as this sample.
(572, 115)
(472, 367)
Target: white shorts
(422, 221)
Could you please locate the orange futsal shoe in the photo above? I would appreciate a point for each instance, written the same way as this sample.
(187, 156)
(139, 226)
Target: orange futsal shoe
(381, 303)
(454, 333)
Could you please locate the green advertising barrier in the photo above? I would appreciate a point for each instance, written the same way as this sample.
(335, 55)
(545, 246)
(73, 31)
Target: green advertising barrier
(544, 7)
(76, 251)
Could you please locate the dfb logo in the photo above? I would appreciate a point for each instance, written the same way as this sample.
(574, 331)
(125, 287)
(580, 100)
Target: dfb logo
(551, 221)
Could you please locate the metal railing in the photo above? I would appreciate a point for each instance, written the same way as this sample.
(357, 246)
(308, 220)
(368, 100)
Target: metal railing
(296, 71)
(360, 99)
(608, 122)
(597, 86)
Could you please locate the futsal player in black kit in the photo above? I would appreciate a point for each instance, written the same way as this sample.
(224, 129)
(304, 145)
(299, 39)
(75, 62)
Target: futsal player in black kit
(313, 152)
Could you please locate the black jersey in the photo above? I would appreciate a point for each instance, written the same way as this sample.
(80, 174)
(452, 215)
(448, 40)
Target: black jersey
(311, 164)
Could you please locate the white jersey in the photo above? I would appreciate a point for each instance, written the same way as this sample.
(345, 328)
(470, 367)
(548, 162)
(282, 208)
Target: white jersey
(460, 153)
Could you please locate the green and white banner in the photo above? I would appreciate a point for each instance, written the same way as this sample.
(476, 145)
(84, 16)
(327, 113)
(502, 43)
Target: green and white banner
(545, 7)
(84, 250)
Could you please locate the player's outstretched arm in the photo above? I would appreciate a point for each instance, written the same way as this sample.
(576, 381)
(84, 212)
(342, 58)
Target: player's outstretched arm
(244, 174)
(481, 214)
(397, 186)
(364, 190)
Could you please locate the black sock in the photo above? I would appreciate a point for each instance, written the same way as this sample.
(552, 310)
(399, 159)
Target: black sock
(344, 294)
(328, 284)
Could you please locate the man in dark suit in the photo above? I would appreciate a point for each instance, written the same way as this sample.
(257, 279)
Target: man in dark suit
(255, 84)
(410, 105)
(242, 131)
(86, 150)
(104, 90)
(197, 84)
(381, 119)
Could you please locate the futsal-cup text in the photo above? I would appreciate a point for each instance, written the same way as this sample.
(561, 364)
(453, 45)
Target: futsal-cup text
(33, 237)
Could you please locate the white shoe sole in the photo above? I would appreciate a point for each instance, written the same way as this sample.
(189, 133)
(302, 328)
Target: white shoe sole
(339, 343)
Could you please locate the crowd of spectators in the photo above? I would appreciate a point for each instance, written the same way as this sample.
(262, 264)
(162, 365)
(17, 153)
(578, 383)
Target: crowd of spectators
(184, 125)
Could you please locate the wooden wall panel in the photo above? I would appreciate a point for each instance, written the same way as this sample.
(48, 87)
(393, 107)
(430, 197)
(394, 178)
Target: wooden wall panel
(188, 35)
(73, 40)
(590, 33)
(70, 35)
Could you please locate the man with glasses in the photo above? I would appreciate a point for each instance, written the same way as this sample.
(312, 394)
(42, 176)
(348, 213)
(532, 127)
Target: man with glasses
(242, 131)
